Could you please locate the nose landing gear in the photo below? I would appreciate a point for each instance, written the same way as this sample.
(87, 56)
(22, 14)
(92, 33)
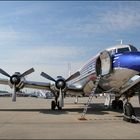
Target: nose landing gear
(53, 105)
(56, 103)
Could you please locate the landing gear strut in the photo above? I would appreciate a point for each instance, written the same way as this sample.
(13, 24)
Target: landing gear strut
(55, 104)
(58, 106)
(76, 99)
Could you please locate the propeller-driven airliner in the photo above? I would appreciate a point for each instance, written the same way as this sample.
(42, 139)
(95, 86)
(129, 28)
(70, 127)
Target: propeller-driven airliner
(117, 66)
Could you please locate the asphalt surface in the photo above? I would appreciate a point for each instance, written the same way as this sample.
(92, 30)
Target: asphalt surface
(31, 118)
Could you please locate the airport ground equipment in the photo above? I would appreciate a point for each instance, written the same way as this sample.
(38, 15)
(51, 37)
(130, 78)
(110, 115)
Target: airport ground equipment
(90, 98)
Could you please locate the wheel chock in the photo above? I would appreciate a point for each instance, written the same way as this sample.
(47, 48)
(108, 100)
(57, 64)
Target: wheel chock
(82, 119)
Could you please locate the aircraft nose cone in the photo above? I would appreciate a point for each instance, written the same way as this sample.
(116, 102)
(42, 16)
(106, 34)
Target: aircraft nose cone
(129, 60)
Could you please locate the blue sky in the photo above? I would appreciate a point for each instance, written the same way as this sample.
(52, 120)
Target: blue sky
(47, 35)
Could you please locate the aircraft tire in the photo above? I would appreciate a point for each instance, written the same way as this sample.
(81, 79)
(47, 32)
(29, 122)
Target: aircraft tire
(120, 104)
(59, 108)
(53, 105)
(114, 104)
(128, 111)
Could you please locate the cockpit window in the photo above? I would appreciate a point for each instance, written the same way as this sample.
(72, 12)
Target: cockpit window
(121, 50)
(133, 49)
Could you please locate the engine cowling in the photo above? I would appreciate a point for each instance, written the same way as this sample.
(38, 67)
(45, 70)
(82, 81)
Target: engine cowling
(104, 63)
(60, 84)
(15, 79)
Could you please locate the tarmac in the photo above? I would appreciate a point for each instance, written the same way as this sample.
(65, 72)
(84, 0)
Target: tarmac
(32, 118)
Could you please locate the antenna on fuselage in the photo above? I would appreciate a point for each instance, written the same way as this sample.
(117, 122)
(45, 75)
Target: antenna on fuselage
(69, 69)
(121, 41)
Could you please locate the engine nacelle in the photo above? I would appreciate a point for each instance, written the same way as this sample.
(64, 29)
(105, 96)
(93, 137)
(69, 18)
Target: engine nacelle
(60, 84)
(104, 63)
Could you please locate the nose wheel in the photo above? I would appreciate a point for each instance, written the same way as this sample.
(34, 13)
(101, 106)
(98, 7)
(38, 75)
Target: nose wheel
(58, 106)
(55, 104)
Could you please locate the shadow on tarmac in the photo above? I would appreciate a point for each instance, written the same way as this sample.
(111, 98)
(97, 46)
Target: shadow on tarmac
(96, 108)
(58, 112)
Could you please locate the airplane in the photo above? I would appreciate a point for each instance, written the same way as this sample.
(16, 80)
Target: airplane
(116, 66)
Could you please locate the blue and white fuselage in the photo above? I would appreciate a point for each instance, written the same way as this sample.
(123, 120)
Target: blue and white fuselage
(121, 64)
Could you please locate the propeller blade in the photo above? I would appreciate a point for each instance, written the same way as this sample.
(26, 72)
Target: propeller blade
(4, 73)
(27, 72)
(47, 76)
(14, 95)
(61, 98)
(139, 98)
(73, 76)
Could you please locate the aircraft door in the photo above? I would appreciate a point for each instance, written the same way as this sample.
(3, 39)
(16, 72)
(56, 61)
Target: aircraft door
(104, 63)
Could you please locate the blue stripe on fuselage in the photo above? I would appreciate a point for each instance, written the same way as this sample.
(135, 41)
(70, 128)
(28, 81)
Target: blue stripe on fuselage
(129, 60)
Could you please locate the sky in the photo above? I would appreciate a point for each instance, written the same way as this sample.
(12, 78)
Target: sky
(48, 35)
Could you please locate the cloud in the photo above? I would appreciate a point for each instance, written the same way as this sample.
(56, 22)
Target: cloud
(23, 41)
(16, 9)
(52, 59)
(120, 17)
(122, 20)
(45, 53)
(7, 35)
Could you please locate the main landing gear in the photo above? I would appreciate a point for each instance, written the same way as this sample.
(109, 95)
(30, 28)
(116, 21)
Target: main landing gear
(128, 110)
(128, 113)
(117, 104)
(55, 104)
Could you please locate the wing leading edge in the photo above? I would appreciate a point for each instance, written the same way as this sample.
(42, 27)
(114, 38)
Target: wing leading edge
(37, 85)
(4, 81)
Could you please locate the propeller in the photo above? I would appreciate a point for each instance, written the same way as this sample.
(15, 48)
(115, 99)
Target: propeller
(15, 79)
(61, 82)
(47, 76)
(14, 94)
(4, 73)
(61, 98)
(139, 98)
(27, 72)
(73, 76)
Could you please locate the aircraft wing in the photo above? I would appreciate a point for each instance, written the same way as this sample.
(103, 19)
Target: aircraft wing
(37, 85)
(41, 85)
(4, 81)
(73, 90)
(131, 85)
(29, 84)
